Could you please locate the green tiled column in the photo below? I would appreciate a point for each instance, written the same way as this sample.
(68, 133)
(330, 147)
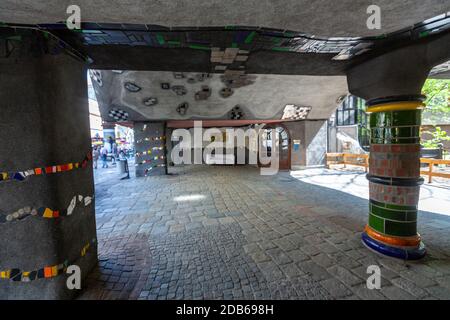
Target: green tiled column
(394, 178)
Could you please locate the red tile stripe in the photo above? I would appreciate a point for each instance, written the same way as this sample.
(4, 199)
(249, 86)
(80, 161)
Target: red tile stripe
(22, 175)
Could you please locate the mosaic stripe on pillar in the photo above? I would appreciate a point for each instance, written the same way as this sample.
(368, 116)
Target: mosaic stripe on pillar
(394, 177)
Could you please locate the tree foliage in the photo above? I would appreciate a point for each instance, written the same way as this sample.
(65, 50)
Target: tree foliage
(438, 101)
(438, 136)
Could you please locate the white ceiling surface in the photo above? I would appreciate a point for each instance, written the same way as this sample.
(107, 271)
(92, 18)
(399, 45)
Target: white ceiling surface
(317, 17)
(264, 99)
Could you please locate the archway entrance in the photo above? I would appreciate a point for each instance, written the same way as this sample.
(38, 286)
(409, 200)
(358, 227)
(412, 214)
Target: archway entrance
(284, 144)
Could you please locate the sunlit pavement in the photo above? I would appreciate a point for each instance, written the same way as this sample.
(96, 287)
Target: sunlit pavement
(214, 232)
(434, 197)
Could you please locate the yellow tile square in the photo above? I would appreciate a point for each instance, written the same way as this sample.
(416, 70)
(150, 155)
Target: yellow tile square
(48, 213)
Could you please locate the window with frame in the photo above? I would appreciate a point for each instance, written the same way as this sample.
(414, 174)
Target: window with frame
(346, 113)
(352, 111)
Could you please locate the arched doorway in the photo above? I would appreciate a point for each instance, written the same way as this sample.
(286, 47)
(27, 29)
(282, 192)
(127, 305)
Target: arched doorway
(284, 144)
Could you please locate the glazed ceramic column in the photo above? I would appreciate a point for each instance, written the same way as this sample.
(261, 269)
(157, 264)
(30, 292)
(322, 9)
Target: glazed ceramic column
(394, 177)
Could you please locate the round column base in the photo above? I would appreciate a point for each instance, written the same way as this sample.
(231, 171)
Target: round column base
(404, 253)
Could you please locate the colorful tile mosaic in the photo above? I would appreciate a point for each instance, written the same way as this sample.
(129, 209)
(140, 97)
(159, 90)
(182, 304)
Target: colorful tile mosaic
(22, 175)
(46, 212)
(150, 160)
(402, 164)
(149, 151)
(147, 139)
(394, 195)
(149, 169)
(47, 272)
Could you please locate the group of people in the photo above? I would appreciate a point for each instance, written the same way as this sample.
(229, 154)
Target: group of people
(100, 153)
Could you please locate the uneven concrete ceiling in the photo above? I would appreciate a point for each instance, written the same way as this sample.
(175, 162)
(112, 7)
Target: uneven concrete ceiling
(190, 60)
(326, 18)
(441, 71)
(185, 36)
(443, 75)
(260, 97)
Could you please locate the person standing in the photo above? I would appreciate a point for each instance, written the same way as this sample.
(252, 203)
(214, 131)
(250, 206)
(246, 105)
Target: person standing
(111, 142)
(104, 155)
(95, 156)
(114, 153)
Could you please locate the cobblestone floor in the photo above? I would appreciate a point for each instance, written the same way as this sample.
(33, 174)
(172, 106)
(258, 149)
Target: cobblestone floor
(227, 232)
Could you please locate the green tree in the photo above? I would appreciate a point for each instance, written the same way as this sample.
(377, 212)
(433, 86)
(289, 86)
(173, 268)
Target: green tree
(438, 137)
(437, 109)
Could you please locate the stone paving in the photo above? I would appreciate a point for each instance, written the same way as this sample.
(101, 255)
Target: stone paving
(211, 232)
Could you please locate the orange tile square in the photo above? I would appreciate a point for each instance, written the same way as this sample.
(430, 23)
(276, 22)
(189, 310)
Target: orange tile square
(48, 272)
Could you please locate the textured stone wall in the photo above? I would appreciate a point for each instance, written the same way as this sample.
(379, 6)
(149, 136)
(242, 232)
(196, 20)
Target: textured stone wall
(313, 142)
(44, 123)
(297, 132)
(316, 142)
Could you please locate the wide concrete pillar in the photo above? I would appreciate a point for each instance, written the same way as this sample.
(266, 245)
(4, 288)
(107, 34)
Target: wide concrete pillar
(47, 217)
(394, 177)
(150, 145)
